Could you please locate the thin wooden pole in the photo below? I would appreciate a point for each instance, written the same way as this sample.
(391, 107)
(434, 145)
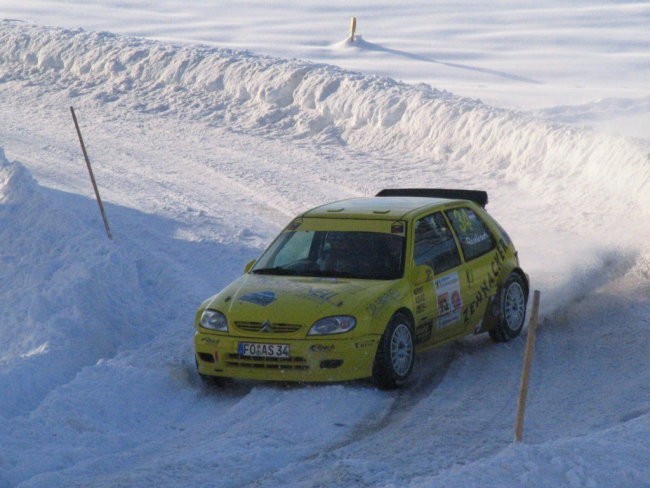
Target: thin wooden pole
(92, 176)
(525, 374)
(353, 28)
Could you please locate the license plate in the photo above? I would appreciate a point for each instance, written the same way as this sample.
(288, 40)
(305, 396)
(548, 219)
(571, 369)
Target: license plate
(253, 349)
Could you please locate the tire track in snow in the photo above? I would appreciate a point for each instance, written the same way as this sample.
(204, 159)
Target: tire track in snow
(327, 467)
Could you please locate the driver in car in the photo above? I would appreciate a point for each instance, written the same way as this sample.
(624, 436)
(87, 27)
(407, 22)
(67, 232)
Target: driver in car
(338, 254)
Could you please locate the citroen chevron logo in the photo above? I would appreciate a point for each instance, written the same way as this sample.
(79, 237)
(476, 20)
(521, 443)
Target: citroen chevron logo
(266, 326)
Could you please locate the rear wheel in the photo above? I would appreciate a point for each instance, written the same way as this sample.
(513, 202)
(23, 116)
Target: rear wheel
(512, 311)
(395, 354)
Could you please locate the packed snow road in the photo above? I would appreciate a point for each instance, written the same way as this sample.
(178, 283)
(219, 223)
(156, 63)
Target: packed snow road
(202, 156)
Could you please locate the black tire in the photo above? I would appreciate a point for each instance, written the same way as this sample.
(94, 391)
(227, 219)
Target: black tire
(218, 381)
(395, 354)
(512, 309)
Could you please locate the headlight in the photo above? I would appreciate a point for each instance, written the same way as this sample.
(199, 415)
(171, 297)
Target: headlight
(211, 319)
(333, 325)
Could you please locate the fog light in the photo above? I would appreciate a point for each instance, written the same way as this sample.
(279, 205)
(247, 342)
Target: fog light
(331, 363)
(206, 357)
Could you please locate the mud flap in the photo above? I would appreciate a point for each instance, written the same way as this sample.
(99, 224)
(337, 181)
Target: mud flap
(492, 314)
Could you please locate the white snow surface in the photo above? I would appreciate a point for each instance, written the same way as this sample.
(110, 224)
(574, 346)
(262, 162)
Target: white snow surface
(203, 153)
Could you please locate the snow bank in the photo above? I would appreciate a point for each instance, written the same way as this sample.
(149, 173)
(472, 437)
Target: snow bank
(67, 294)
(612, 457)
(303, 100)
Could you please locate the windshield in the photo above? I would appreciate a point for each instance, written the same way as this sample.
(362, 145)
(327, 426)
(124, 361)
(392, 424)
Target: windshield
(347, 254)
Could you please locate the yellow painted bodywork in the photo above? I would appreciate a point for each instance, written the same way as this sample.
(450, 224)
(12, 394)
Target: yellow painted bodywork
(299, 302)
(291, 304)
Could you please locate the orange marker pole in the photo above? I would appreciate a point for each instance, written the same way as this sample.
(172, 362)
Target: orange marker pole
(525, 374)
(353, 28)
(92, 177)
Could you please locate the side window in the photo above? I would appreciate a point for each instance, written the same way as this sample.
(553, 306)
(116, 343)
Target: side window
(434, 244)
(474, 236)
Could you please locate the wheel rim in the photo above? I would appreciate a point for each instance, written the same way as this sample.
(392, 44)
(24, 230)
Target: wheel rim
(401, 350)
(514, 306)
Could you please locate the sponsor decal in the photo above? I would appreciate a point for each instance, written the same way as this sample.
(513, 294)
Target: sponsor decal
(397, 228)
(478, 327)
(449, 300)
(443, 303)
(318, 294)
(456, 301)
(324, 295)
(363, 344)
(477, 239)
(380, 302)
(489, 283)
(261, 298)
(209, 340)
(321, 348)
(448, 319)
(423, 331)
(295, 224)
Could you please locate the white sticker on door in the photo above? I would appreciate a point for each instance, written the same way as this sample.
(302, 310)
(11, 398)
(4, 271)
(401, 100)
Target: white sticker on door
(450, 302)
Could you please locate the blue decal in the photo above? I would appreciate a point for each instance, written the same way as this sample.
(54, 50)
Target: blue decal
(262, 298)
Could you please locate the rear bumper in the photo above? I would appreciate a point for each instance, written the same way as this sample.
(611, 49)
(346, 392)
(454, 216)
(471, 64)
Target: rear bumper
(317, 360)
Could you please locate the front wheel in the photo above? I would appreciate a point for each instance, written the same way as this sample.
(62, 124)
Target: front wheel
(512, 311)
(395, 354)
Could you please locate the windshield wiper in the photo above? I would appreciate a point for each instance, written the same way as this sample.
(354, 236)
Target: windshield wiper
(277, 270)
(337, 274)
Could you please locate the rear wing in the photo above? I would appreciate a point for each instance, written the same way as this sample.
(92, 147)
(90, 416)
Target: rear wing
(477, 196)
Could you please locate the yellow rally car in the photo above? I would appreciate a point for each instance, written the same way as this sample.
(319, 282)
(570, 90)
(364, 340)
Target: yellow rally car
(355, 288)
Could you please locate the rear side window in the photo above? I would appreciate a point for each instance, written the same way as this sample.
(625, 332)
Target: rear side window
(434, 244)
(474, 236)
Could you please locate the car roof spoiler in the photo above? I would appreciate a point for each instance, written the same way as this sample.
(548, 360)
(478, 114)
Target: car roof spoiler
(477, 196)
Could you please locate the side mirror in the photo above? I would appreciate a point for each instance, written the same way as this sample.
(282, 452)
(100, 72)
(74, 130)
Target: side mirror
(249, 265)
(422, 274)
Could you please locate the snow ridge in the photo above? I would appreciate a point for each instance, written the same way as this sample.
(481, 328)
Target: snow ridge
(280, 98)
(56, 292)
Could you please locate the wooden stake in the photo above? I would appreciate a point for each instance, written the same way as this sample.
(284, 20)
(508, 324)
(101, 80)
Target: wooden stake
(353, 28)
(525, 374)
(92, 177)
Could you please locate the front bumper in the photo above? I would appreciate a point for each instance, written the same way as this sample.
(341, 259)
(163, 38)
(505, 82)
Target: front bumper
(319, 359)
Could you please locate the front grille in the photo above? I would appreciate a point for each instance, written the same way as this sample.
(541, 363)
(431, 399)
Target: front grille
(239, 361)
(272, 328)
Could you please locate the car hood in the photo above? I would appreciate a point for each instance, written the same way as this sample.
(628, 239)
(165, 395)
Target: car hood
(292, 299)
